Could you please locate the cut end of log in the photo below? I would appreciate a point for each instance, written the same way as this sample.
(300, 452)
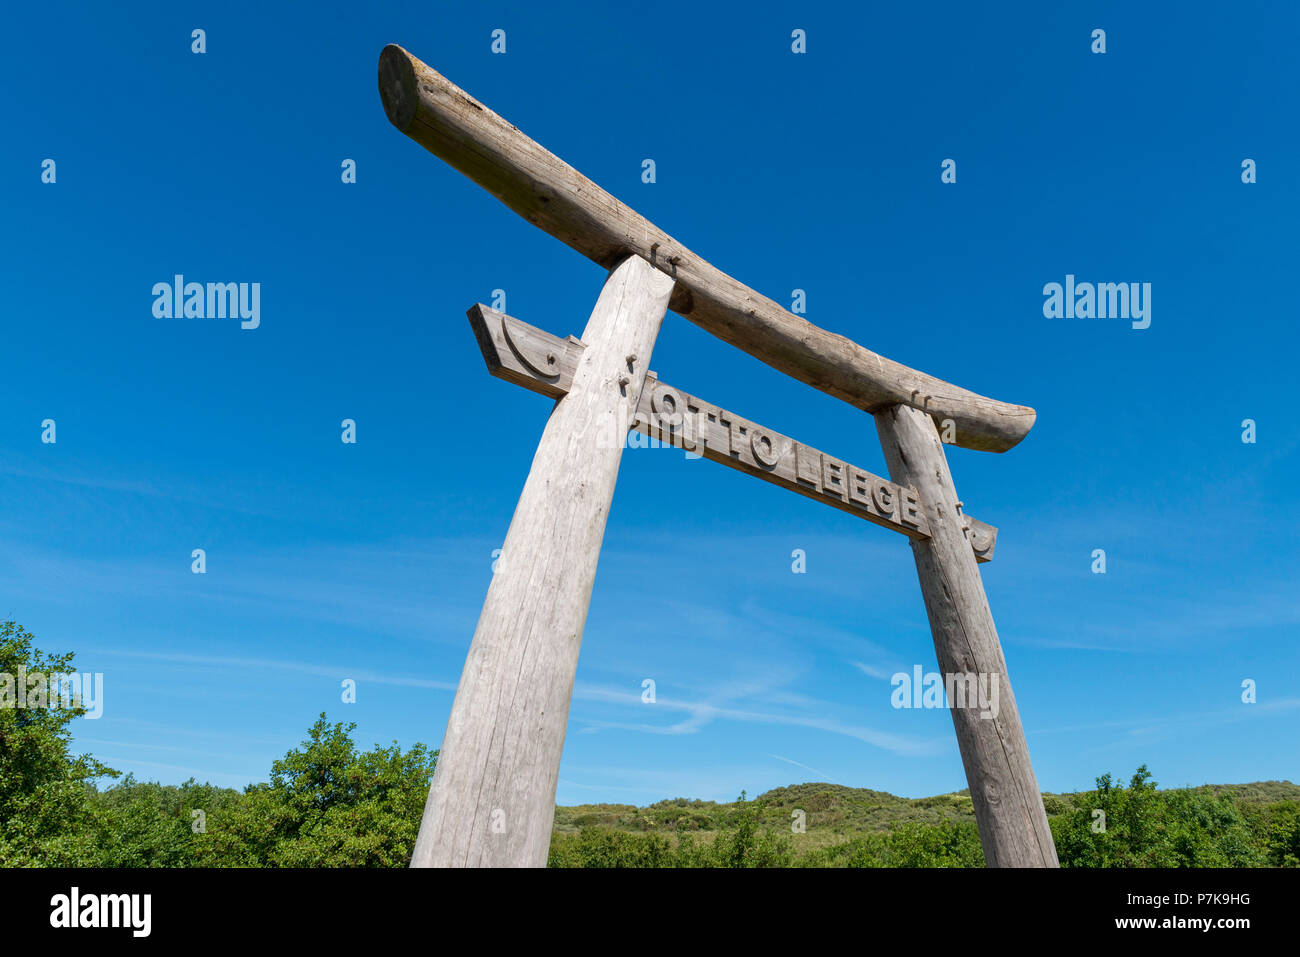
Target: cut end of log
(1027, 419)
(1001, 434)
(556, 198)
(397, 86)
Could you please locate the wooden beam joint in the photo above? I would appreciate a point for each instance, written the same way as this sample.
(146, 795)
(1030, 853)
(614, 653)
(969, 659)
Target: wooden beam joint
(556, 198)
(543, 363)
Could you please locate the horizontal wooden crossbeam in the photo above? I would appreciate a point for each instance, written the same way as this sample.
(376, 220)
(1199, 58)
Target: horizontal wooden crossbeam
(543, 363)
(558, 199)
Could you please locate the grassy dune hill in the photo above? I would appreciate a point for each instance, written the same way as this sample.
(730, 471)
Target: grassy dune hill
(835, 813)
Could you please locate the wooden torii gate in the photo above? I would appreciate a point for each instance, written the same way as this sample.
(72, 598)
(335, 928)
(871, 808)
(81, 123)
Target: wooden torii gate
(492, 799)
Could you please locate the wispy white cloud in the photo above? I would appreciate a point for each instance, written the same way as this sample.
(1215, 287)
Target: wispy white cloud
(704, 712)
(376, 587)
(325, 671)
(145, 746)
(220, 778)
(871, 672)
(1150, 724)
(822, 774)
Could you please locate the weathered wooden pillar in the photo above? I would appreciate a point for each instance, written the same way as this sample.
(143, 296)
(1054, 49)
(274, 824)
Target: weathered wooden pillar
(492, 801)
(1008, 806)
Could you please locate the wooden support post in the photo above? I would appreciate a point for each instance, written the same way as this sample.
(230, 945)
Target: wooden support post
(1008, 806)
(492, 801)
(543, 363)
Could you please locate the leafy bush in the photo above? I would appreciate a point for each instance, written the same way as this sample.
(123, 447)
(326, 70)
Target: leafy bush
(329, 805)
(326, 806)
(1140, 827)
(45, 819)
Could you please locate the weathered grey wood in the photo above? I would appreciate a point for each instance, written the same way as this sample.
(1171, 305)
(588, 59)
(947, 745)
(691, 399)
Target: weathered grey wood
(724, 437)
(1008, 806)
(543, 363)
(687, 422)
(524, 354)
(492, 800)
(555, 197)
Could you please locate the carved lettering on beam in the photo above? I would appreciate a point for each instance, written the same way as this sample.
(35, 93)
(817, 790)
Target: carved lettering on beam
(756, 450)
(537, 360)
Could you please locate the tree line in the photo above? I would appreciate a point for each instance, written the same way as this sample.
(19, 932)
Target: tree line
(329, 804)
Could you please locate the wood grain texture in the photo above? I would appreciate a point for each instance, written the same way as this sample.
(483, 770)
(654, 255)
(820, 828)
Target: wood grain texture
(507, 342)
(555, 197)
(492, 800)
(523, 354)
(1008, 806)
(681, 420)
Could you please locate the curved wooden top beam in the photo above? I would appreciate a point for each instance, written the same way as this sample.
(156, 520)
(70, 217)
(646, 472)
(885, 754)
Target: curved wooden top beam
(555, 197)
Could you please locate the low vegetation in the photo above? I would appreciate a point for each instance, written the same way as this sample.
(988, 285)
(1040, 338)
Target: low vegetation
(328, 804)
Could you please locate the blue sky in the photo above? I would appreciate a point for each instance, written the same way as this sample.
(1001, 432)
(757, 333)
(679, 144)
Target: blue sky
(818, 171)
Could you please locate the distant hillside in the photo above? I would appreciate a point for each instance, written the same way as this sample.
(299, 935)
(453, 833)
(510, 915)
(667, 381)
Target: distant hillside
(1260, 791)
(836, 813)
